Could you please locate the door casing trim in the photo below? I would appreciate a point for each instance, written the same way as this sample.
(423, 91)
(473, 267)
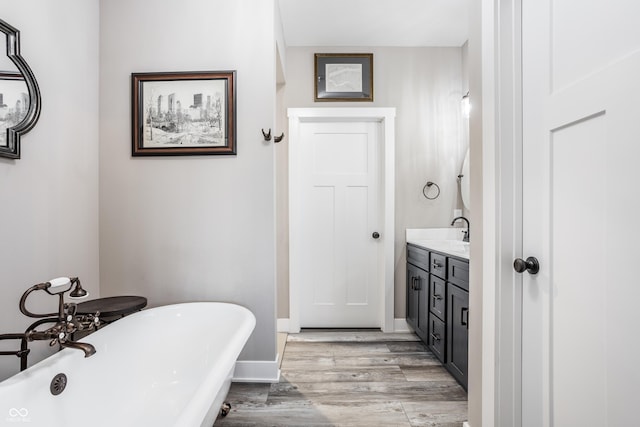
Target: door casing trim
(386, 119)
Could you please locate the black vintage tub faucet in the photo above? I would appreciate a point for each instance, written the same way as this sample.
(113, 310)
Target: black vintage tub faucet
(66, 320)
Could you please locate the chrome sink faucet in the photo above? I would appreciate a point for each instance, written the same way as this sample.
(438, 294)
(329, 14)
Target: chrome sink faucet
(467, 232)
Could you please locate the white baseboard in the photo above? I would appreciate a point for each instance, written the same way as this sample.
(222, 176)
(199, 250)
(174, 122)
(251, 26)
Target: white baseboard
(257, 371)
(282, 325)
(399, 325)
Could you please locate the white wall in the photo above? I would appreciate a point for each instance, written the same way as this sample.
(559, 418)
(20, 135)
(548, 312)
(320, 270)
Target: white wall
(190, 228)
(425, 85)
(465, 120)
(49, 197)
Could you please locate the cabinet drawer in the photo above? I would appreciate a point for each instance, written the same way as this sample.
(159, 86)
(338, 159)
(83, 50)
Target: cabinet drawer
(418, 257)
(436, 342)
(437, 294)
(438, 265)
(458, 273)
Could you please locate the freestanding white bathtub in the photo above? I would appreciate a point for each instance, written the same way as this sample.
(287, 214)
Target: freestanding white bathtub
(166, 366)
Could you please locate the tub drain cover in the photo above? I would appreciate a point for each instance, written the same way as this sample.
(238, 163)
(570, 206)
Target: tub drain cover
(58, 383)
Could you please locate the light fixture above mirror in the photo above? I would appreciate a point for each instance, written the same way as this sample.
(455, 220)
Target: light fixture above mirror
(19, 96)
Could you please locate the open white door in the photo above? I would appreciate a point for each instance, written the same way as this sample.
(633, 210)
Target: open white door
(581, 197)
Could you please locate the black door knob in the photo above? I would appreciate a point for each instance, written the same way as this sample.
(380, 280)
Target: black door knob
(531, 265)
(375, 235)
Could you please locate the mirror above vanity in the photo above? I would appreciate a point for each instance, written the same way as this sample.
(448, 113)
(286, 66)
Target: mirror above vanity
(19, 94)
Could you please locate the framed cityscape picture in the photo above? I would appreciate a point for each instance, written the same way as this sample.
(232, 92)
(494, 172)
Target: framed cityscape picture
(183, 113)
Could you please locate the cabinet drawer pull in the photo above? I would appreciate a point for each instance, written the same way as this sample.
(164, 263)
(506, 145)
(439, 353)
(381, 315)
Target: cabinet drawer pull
(435, 338)
(464, 320)
(413, 281)
(436, 297)
(435, 264)
(418, 283)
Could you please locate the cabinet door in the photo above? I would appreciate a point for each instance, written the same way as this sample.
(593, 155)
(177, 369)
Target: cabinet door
(422, 284)
(417, 293)
(412, 297)
(457, 333)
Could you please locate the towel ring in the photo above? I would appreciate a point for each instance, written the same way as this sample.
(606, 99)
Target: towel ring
(427, 186)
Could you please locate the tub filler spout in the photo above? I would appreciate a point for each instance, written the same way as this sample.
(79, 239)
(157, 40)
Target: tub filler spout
(88, 349)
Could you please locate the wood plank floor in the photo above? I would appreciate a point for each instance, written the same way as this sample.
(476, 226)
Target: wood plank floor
(357, 378)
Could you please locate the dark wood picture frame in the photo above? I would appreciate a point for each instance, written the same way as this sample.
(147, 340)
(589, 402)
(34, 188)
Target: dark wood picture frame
(29, 115)
(343, 77)
(183, 113)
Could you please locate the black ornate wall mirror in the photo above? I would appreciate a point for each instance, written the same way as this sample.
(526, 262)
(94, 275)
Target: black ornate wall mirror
(19, 94)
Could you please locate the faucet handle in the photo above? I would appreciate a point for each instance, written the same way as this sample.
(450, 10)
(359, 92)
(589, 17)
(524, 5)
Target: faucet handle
(70, 310)
(90, 321)
(62, 337)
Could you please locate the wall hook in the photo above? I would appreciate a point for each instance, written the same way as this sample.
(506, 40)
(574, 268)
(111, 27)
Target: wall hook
(267, 135)
(277, 139)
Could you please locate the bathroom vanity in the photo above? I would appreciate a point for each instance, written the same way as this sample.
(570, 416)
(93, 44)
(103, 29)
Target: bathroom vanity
(438, 299)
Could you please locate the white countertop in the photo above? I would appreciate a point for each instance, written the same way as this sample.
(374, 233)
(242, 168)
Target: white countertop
(445, 240)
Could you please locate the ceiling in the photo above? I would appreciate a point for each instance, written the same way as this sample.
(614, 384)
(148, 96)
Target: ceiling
(375, 22)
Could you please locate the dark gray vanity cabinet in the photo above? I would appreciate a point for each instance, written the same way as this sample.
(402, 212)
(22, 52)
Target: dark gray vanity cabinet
(418, 290)
(438, 306)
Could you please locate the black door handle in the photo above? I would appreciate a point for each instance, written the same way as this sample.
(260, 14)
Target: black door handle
(375, 235)
(531, 265)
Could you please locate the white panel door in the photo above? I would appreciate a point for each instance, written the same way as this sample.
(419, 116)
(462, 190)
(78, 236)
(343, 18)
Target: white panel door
(581, 197)
(340, 283)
